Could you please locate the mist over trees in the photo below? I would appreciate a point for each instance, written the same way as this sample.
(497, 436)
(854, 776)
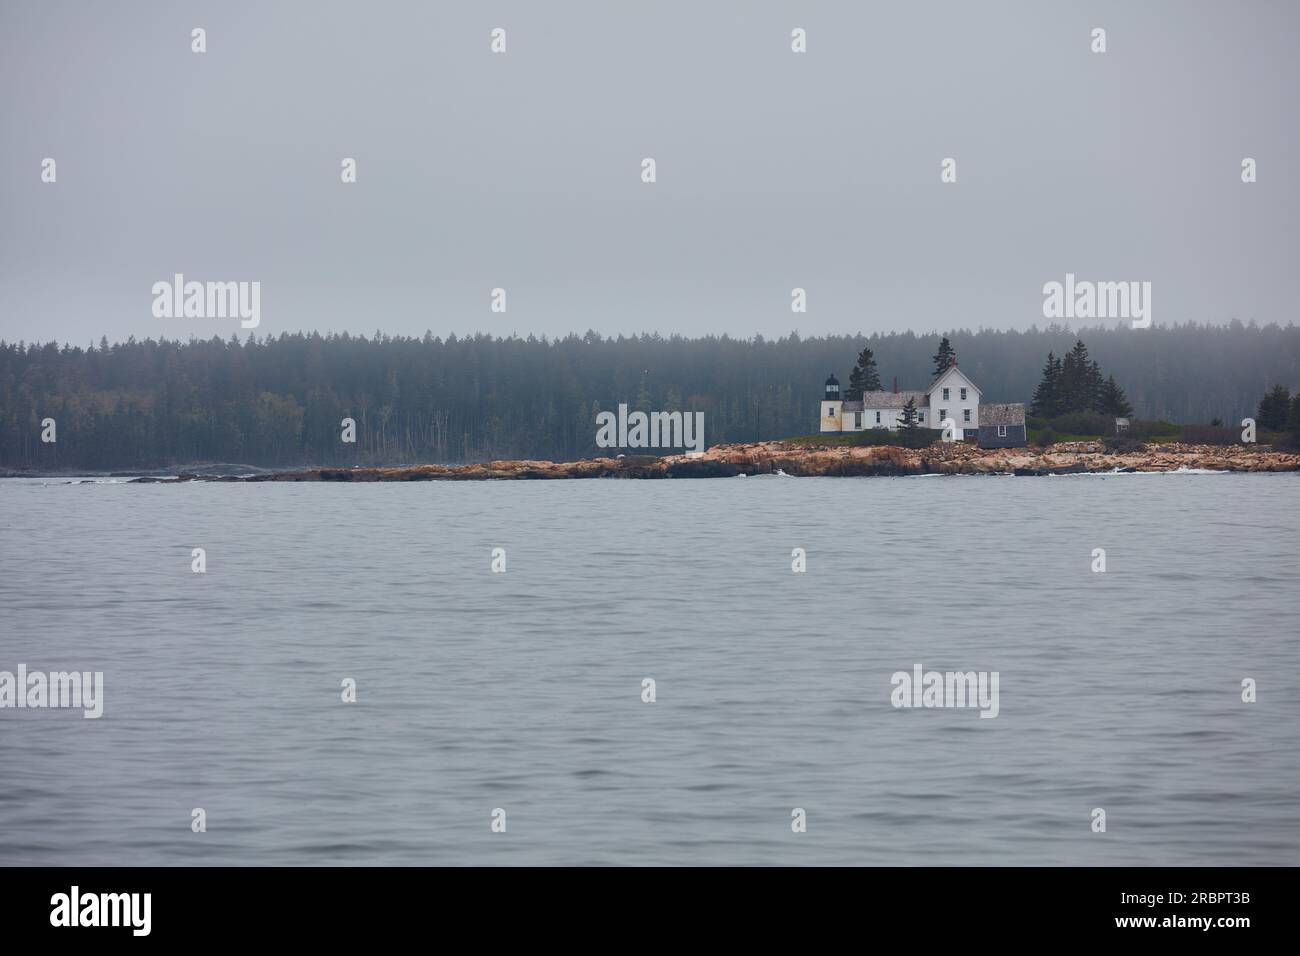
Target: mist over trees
(279, 401)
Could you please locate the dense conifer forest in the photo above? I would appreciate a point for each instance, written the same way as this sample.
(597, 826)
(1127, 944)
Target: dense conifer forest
(279, 401)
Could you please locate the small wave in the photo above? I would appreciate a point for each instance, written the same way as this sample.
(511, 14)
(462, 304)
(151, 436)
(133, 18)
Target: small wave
(1184, 470)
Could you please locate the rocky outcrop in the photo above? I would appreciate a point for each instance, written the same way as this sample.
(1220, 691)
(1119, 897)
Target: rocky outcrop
(792, 458)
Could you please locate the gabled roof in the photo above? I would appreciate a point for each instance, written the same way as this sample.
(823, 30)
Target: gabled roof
(945, 373)
(883, 400)
(1002, 414)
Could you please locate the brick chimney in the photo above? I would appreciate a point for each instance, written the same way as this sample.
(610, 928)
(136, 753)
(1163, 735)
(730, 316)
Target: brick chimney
(895, 384)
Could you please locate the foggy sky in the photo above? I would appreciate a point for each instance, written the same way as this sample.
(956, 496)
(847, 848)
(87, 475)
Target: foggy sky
(522, 170)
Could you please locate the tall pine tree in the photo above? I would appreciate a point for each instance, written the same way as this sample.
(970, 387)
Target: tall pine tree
(1046, 402)
(944, 357)
(865, 377)
(1096, 387)
(910, 421)
(1113, 401)
(1076, 384)
(1077, 390)
(1274, 409)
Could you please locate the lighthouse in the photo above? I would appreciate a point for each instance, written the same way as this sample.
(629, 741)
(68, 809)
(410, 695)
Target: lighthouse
(831, 406)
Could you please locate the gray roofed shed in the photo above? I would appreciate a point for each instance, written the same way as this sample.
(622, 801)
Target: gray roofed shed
(1013, 414)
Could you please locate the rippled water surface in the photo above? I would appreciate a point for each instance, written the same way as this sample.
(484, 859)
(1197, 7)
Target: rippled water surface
(522, 690)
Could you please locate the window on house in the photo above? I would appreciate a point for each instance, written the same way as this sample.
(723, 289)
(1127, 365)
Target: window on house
(857, 419)
(966, 414)
(943, 413)
(945, 395)
(1002, 431)
(963, 394)
(877, 418)
(920, 416)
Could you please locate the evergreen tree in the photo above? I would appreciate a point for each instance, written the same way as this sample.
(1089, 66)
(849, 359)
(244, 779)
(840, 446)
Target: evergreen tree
(1096, 387)
(1077, 388)
(865, 377)
(910, 423)
(1274, 409)
(1076, 384)
(1113, 401)
(945, 357)
(1070, 381)
(1046, 402)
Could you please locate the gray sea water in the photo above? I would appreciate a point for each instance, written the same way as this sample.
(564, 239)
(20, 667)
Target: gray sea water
(523, 690)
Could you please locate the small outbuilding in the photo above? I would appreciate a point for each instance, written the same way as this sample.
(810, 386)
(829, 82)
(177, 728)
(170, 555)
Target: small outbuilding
(1002, 426)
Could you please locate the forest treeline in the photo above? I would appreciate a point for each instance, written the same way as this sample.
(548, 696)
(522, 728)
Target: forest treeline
(279, 401)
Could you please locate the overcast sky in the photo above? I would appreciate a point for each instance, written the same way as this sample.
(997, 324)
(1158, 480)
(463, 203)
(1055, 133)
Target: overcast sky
(523, 170)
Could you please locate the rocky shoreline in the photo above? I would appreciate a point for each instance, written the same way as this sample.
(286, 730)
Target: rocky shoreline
(808, 460)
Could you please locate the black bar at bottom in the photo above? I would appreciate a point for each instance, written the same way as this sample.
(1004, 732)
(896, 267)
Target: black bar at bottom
(331, 906)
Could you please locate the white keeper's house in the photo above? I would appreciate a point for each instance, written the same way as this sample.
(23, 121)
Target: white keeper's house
(951, 395)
